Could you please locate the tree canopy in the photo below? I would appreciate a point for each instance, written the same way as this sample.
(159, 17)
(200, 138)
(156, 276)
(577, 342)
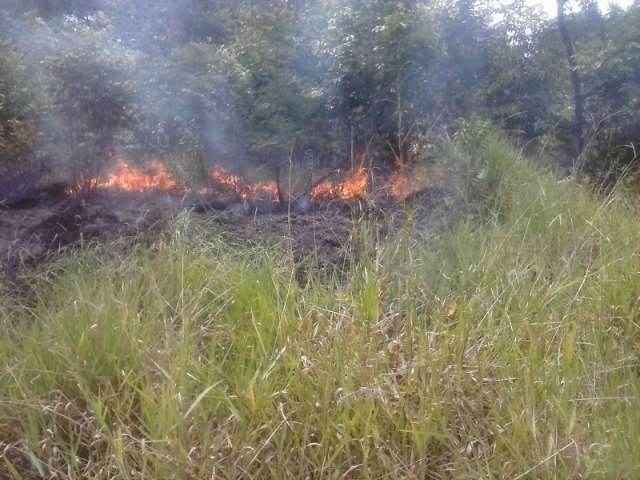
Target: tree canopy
(253, 83)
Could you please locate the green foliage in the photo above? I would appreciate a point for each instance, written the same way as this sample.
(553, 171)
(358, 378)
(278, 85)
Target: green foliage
(508, 347)
(521, 89)
(186, 97)
(615, 95)
(380, 55)
(18, 110)
(277, 95)
(480, 161)
(256, 83)
(92, 96)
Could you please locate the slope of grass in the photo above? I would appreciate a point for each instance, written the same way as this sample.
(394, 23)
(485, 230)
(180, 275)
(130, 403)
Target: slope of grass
(505, 349)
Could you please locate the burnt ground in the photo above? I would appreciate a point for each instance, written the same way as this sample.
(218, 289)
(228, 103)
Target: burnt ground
(34, 232)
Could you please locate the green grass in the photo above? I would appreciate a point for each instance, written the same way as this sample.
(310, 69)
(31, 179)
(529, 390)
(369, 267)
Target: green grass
(191, 359)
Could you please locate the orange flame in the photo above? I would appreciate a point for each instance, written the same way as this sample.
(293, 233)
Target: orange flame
(405, 182)
(154, 176)
(245, 190)
(354, 185)
(150, 176)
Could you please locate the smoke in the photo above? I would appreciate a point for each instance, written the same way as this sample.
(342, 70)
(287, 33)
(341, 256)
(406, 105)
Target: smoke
(206, 83)
(106, 80)
(232, 84)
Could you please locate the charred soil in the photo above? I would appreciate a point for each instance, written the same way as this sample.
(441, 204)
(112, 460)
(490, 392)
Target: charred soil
(43, 227)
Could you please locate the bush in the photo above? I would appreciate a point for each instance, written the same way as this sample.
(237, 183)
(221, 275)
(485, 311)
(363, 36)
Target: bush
(18, 109)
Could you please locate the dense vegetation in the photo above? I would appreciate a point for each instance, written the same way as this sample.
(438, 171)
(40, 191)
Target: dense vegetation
(201, 82)
(506, 346)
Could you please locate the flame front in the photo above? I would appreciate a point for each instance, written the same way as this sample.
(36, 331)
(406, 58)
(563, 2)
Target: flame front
(405, 182)
(245, 190)
(353, 186)
(151, 176)
(154, 176)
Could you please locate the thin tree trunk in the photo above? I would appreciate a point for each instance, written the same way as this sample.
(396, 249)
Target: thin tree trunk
(578, 98)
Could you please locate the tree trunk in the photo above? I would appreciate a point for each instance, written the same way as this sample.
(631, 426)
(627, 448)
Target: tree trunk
(578, 98)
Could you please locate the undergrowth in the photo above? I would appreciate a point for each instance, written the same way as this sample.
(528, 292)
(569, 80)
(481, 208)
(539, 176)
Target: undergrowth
(507, 348)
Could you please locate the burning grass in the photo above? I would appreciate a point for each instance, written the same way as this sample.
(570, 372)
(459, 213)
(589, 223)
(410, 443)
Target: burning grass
(153, 176)
(506, 349)
(221, 179)
(353, 186)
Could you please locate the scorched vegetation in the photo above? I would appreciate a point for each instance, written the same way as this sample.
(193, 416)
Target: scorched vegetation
(502, 349)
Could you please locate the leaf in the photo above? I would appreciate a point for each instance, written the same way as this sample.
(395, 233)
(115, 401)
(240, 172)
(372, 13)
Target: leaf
(200, 397)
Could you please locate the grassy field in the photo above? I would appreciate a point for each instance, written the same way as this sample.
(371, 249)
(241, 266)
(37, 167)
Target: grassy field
(506, 348)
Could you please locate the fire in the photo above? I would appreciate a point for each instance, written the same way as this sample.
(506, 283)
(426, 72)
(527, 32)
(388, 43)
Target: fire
(354, 185)
(245, 190)
(221, 177)
(405, 182)
(154, 176)
(268, 189)
(151, 176)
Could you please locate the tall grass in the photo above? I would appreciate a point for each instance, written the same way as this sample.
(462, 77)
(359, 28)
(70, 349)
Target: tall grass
(504, 349)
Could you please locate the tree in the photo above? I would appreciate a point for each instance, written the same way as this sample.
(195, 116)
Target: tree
(91, 93)
(517, 84)
(186, 100)
(18, 108)
(576, 83)
(380, 53)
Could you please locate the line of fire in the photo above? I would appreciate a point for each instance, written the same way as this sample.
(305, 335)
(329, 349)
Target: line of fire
(225, 188)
